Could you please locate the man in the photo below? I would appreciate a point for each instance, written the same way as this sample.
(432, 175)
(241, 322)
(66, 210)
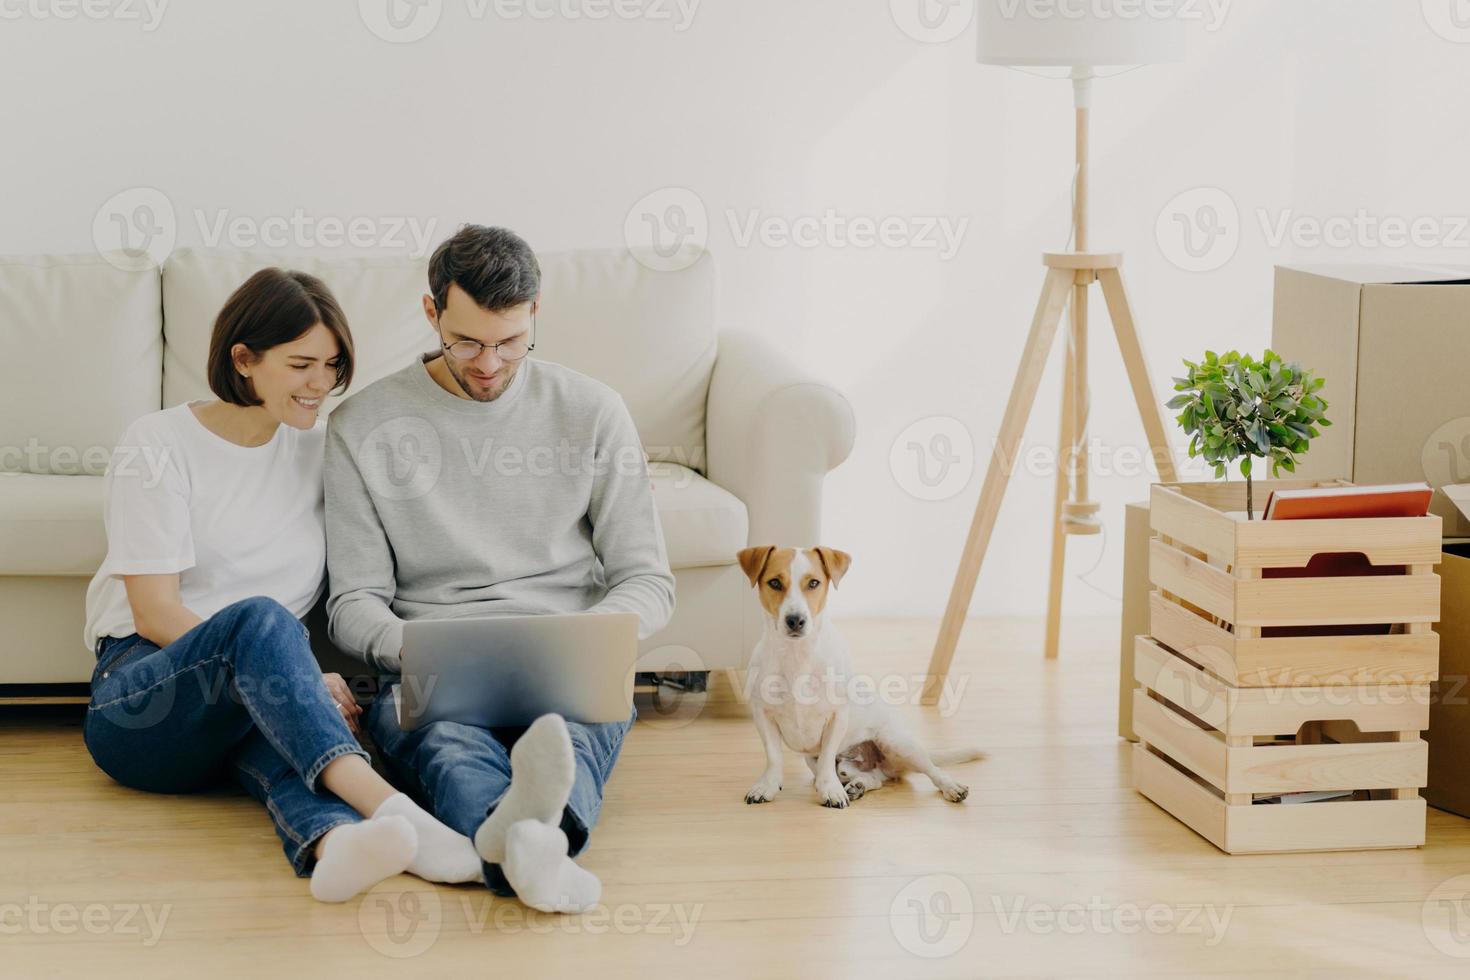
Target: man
(479, 481)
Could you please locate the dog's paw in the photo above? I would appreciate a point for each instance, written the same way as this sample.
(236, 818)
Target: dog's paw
(855, 790)
(833, 795)
(954, 792)
(762, 792)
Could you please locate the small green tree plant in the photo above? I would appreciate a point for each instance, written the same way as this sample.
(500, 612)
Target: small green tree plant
(1235, 407)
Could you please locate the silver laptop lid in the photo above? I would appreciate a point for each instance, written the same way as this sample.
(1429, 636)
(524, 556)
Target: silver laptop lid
(509, 670)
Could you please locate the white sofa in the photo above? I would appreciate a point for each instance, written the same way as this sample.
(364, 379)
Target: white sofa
(739, 436)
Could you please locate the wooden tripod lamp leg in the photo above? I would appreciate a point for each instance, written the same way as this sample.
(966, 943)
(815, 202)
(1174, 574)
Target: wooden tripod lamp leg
(1080, 398)
(1054, 293)
(1143, 390)
(1066, 437)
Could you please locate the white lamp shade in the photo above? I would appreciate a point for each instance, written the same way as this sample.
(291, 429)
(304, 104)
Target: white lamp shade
(1079, 33)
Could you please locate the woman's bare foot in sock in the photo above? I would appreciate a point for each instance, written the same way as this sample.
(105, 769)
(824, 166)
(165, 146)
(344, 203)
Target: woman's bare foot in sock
(542, 768)
(356, 856)
(443, 855)
(537, 867)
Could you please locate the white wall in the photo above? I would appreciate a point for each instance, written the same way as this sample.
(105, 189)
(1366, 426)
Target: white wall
(558, 126)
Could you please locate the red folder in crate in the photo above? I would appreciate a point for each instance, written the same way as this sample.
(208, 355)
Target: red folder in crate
(1319, 503)
(1323, 503)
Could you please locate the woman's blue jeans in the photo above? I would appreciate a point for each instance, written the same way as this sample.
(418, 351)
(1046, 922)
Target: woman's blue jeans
(239, 694)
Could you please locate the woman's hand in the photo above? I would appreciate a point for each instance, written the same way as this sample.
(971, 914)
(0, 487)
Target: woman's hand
(346, 703)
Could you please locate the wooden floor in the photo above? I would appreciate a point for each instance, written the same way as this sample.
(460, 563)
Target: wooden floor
(1053, 867)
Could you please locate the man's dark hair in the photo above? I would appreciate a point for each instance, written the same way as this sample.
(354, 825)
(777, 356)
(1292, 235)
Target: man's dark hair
(273, 307)
(494, 266)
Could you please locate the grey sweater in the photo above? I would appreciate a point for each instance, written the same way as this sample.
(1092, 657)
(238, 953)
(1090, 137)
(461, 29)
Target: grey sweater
(438, 507)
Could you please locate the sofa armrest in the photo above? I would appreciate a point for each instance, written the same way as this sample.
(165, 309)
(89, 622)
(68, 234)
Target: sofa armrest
(772, 432)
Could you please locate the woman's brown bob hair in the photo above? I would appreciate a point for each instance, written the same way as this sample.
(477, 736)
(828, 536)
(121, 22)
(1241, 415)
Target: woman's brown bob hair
(273, 307)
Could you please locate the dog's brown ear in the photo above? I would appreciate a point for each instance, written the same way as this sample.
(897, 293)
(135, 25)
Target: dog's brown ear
(835, 562)
(753, 561)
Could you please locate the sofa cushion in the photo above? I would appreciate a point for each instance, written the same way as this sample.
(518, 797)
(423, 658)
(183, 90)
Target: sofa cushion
(51, 525)
(703, 524)
(649, 335)
(83, 347)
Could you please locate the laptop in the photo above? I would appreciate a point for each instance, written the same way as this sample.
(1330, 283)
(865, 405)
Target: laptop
(507, 671)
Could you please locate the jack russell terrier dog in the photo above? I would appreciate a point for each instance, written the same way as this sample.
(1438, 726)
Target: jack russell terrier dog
(851, 744)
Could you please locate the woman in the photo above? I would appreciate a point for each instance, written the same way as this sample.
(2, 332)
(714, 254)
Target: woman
(215, 549)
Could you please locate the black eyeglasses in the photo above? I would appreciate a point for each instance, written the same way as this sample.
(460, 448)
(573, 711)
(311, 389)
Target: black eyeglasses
(509, 350)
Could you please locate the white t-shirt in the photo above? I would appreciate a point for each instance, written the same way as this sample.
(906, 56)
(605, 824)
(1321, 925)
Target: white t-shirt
(233, 521)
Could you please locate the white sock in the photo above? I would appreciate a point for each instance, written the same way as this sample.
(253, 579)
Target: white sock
(356, 856)
(442, 855)
(537, 867)
(542, 768)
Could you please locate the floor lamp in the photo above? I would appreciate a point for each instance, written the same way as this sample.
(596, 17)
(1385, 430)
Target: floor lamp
(1082, 38)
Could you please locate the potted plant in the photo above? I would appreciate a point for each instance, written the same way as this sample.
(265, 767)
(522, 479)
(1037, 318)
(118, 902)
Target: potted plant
(1235, 407)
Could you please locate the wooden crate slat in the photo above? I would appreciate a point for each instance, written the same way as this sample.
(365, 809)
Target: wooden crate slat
(1302, 768)
(1158, 670)
(1360, 825)
(1192, 522)
(1186, 743)
(1344, 600)
(1194, 806)
(1373, 708)
(1277, 710)
(1292, 544)
(1294, 661)
(1201, 583)
(1319, 661)
(1208, 645)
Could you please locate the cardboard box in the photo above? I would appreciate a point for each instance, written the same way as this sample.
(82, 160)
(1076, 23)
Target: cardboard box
(1392, 345)
(1135, 607)
(1449, 709)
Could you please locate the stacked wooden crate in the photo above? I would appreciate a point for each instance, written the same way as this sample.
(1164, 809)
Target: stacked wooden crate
(1254, 686)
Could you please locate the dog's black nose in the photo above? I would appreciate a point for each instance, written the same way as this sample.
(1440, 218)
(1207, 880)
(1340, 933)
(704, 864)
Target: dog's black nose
(795, 622)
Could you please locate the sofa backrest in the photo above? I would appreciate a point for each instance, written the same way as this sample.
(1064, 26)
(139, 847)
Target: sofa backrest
(378, 295)
(83, 351)
(649, 335)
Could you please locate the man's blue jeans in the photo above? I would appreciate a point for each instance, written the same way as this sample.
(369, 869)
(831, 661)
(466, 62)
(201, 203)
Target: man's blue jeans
(460, 772)
(241, 693)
